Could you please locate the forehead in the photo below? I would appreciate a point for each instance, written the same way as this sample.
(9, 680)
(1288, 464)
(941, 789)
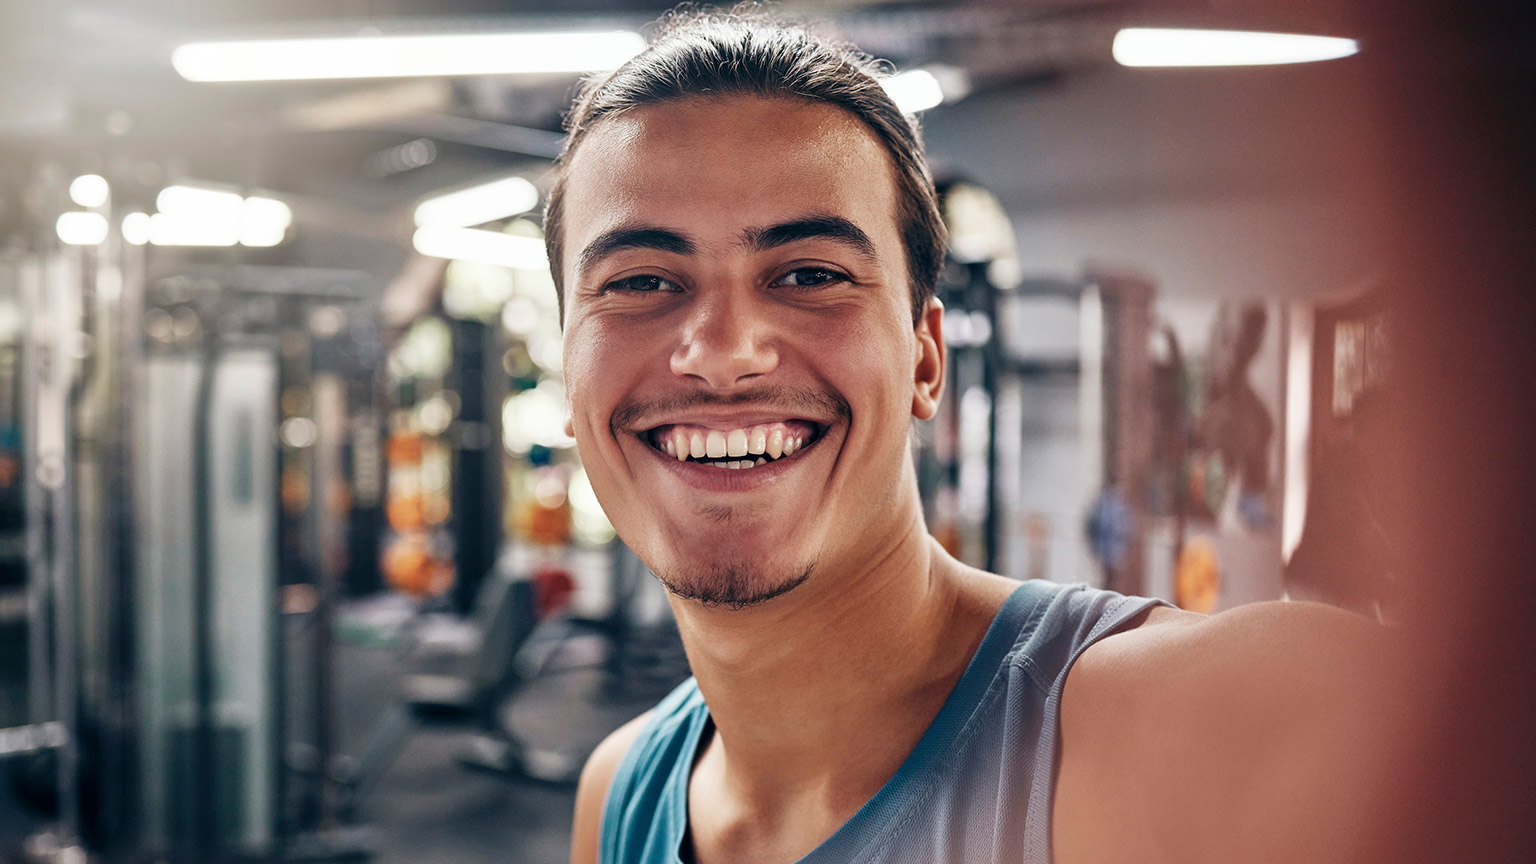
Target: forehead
(711, 166)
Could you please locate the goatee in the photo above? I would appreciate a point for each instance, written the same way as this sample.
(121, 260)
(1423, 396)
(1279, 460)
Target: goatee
(735, 586)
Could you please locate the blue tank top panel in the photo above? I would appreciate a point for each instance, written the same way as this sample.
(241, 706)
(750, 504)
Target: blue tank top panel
(976, 788)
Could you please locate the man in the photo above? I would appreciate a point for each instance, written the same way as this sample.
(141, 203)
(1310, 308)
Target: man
(745, 239)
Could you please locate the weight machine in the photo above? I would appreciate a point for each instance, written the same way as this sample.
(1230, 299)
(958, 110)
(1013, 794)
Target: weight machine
(157, 543)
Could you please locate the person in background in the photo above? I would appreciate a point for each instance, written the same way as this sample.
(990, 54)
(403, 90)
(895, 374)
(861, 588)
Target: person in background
(745, 239)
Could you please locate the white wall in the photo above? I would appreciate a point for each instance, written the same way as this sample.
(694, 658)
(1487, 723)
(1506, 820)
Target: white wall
(1213, 182)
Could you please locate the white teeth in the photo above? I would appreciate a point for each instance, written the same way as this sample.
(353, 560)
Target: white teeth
(775, 447)
(724, 449)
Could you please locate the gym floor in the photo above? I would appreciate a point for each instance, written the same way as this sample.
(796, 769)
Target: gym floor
(425, 805)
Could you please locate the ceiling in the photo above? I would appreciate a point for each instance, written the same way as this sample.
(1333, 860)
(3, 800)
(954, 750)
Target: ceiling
(88, 86)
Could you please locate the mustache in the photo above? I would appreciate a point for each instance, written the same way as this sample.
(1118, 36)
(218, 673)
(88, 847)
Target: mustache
(797, 401)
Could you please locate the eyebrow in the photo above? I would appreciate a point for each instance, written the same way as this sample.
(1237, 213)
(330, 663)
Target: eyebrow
(634, 237)
(823, 226)
(820, 226)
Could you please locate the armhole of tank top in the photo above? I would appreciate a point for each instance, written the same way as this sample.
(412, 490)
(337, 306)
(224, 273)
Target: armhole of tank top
(1043, 791)
(623, 778)
(624, 775)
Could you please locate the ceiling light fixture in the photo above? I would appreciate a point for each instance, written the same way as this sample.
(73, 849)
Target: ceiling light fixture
(405, 56)
(89, 190)
(918, 90)
(477, 205)
(81, 229)
(197, 216)
(477, 244)
(1151, 46)
(264, 222)
(914, 90)
(136, 228)
(166, 229)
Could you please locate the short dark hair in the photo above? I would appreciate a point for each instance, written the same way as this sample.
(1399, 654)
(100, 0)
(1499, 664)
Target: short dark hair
(711, 54)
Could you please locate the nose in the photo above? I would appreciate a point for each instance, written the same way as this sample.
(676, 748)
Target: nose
(726, 341)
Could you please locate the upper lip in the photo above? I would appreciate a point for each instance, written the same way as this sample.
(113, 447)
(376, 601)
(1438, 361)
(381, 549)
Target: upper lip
(733, 411)
(726, 421)
(726, 424)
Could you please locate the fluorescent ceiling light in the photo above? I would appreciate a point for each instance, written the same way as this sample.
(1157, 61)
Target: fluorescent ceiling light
(167, 229)
(89, 190)
(200, 204)
(194, 216)
(478, 205)
(1147, 46)
(81, 229)
(264, 222)
(476, 244)
(920, 89)
(914, 90)
(405, 56)
(136, 229)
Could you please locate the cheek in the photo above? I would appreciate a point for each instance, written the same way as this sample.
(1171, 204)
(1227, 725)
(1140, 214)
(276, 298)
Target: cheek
(590, 372)
(577, 362)
(593, 359)
(592, 388)
(876, 354)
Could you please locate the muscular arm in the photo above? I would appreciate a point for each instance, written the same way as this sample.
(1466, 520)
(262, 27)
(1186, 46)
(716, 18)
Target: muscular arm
(592, 791)
(1246, 736)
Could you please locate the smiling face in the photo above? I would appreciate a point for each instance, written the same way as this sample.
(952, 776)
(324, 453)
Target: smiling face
(740, 356)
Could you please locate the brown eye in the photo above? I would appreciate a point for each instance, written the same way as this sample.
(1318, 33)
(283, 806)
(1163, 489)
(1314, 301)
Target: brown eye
(644, 283)
(809, 277)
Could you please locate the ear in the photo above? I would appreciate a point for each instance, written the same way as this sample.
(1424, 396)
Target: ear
(929, 362)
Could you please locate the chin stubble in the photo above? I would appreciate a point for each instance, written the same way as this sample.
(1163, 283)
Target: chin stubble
(734, 586)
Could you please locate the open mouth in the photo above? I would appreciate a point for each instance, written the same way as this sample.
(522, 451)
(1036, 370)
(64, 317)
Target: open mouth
(737, 448)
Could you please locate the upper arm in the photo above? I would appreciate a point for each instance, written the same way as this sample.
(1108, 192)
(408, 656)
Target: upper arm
(1244, 736)
(592, 790)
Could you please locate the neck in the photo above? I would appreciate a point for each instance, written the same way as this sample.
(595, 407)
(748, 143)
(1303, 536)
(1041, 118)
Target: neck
(824, 691)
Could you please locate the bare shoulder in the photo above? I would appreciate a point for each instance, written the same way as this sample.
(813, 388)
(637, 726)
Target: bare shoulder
(1226, 737)
(1279, 637)
(592, 791)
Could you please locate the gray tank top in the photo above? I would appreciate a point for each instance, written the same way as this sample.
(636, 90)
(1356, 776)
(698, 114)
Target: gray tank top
(976, 788)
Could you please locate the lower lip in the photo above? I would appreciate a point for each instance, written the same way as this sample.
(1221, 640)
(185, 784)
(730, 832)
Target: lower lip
(712, 479)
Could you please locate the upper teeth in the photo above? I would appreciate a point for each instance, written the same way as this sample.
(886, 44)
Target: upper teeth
(724, 449)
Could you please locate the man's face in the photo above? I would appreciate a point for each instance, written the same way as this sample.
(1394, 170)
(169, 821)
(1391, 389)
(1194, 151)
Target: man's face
(739, 353)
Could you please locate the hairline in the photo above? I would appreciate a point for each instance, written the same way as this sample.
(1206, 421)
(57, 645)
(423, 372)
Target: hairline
(893, 168)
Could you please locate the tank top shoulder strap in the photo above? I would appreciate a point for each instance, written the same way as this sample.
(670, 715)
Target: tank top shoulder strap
(645, 815)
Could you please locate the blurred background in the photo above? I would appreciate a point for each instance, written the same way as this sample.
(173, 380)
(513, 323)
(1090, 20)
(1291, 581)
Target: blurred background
(297, 562)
